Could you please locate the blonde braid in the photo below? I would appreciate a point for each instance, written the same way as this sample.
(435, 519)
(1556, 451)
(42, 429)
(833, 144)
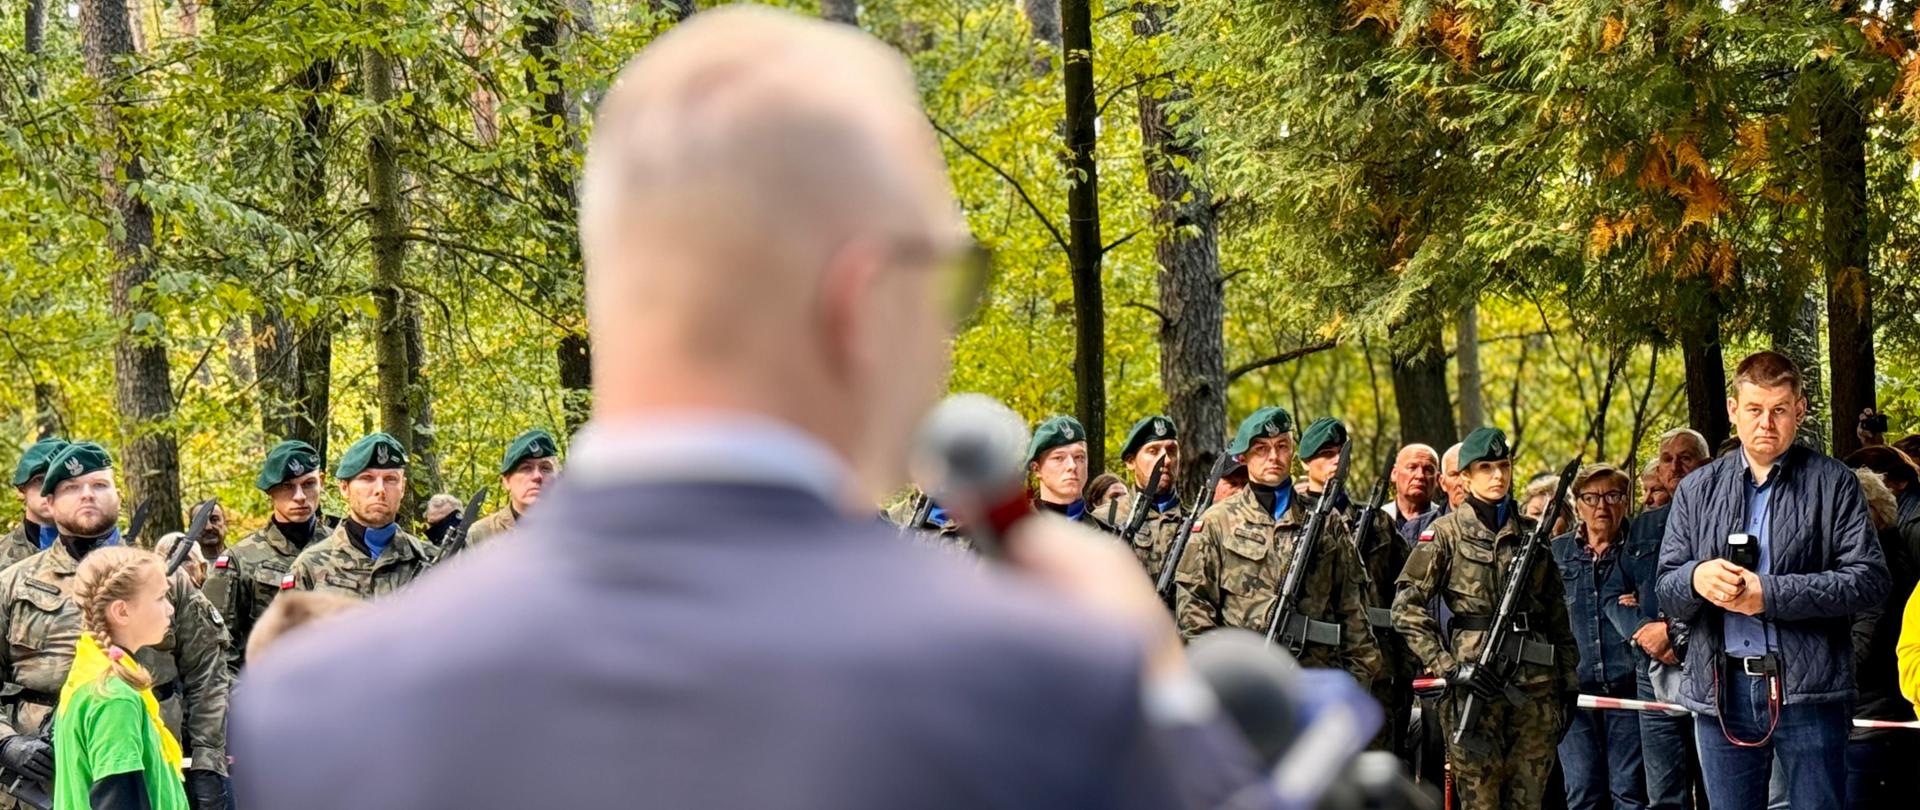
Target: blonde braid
(107, 575)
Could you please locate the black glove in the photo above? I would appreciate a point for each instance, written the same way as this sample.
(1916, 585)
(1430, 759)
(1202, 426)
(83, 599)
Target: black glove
(207, 790)
(28, 754)
(1472, 679)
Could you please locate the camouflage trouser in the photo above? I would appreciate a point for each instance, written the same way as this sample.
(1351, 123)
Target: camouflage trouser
(1523, 739)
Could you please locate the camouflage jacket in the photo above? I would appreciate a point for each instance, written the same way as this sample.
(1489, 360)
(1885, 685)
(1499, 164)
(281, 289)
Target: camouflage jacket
(41, 622)
(1382, 555)
(1231, 572)
(338, 565)
(247, 577)
(1155, 539)
(943, 534)
(1463, 562)
(17, 545)
(491, 526)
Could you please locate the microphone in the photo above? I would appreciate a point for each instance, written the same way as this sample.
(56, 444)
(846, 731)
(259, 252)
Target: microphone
(1308, 726)
(971, 451)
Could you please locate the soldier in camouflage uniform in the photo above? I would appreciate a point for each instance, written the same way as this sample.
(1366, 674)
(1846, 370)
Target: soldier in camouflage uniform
(36, 530)
(1463, 557)
(1057, 459)
(1381, 555)
(1149, 442)
(367, 555)
(532, 459)
(1231, 572)
(247, 577)
(40, 622)
(937, 527)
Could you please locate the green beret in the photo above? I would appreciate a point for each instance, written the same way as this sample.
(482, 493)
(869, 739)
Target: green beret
(1054, 432)
(34, 461)
(286, 461)
(535, 443)
(378, 451)
(1150, 429)
(1484, 444)
(73, 461)
(1325, 433)
(1263, 422)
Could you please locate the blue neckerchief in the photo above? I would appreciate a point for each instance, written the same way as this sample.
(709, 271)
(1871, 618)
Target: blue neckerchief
(1500, 513)
(1167, 502)
(48, 534)
(936, 515)
(377, 539)
(1282, 497)
(112, 539)
(1077, 511)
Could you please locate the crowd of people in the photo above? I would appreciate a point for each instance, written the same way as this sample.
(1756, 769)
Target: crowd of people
(1757, 593)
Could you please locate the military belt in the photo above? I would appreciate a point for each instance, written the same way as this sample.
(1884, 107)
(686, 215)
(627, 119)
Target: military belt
(1532, 651)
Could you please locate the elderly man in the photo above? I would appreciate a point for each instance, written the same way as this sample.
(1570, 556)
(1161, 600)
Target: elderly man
(1416, 473)
(774, 268)
(1767, 554)
(1668, 749)
(1450, 479)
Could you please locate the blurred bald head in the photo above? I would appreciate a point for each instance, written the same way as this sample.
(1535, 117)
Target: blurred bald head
(762, 206)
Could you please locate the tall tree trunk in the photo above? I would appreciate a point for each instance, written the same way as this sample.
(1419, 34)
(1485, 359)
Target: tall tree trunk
(841, 11)
(35, 44)
(313, 345)
(1043, 20)
(143, 393)
(1843, 249)
(46, 409)
(1466, 358)
(1420, 385)
(1192, 351)
(1083, 227)
(276, 362)
(546, 32)
(1796, 334)
(387, 223)
(1706, 379)
(423, 468)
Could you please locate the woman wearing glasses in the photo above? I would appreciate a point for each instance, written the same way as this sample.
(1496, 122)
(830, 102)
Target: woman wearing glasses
(1601, 753)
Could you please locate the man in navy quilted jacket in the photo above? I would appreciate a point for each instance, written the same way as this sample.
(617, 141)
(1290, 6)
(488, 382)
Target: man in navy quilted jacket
(1768, 553)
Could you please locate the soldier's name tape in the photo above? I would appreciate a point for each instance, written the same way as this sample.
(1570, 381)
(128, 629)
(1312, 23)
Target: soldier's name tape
(1627, 704)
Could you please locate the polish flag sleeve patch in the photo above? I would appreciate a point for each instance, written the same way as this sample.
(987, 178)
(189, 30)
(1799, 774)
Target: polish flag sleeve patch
(286, 583)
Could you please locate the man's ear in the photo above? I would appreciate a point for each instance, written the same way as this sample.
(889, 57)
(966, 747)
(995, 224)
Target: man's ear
(845, 287)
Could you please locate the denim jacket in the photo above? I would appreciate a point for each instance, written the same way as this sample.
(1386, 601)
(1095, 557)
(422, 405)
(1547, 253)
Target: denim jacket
(1602, 627)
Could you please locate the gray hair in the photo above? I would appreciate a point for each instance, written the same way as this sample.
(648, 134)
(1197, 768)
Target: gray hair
(446, 504)
(1453, 452)
(1698, 441)
(1880, 502)
(1419, 448)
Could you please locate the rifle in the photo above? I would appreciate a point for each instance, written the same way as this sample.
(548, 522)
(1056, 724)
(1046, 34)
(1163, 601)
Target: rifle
(922, 509)
(1142, 502)
(138, 522)
(1289, 626)
(1381, 619)
(1507, 646)
(195, 528)
(1201, 502)
(457, 536)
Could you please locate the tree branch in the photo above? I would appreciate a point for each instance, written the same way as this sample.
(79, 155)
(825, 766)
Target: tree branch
(1058, 238)
(1150, 308)
(1284, 357)
(1121, 241)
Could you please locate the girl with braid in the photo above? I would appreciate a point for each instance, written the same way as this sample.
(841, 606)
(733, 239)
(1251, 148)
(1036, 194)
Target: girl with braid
(111, 750)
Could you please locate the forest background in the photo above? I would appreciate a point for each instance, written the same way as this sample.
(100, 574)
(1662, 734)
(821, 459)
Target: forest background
(227, 223)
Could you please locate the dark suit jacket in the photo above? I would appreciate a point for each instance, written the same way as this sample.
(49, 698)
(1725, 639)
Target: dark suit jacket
(713, 646)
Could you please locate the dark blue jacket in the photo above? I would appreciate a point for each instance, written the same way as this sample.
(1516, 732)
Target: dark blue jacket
(1602, 627)
(1826, 565)
(715, 646)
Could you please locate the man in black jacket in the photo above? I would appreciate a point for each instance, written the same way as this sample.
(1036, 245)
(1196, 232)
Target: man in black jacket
(1767, 555)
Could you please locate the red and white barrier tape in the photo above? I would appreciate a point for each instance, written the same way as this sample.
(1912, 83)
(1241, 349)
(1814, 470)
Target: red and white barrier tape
(1628, 704)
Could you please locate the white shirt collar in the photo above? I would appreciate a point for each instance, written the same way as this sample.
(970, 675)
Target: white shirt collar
(726, 448)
